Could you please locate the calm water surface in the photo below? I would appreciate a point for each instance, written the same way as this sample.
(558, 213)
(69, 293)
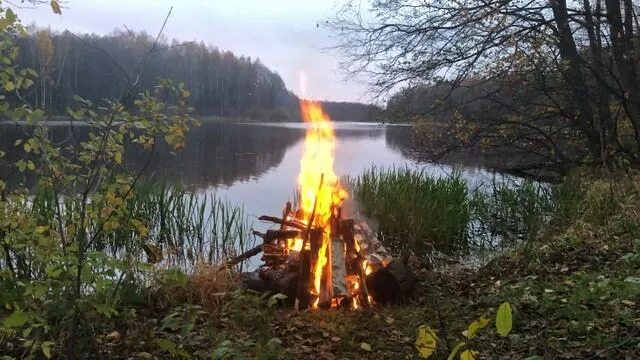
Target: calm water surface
(256, 164)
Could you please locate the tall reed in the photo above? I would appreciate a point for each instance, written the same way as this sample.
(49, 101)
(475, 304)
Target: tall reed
(422, 213)
(190, 227)
(414, 210)
(183, 228)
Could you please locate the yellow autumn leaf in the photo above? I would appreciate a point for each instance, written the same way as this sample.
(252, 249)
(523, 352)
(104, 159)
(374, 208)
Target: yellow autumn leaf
(153, 252)
(426, 341)
(468, 355)
(476, 326)
(55, 6)
(504, 319)
(117, 157)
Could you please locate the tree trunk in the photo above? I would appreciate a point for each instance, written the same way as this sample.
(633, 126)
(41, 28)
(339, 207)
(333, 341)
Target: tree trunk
(580, 97)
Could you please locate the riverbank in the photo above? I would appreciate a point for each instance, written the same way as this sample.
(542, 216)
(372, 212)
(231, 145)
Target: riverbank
(573, 283)
(574, 288)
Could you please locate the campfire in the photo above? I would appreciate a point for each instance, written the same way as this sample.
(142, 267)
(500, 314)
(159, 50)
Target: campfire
(316, 256)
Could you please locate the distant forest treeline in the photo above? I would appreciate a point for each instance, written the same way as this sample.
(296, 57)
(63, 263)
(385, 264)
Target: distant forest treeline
(221, 83)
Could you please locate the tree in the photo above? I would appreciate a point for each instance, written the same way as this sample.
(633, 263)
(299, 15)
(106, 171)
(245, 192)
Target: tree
(45, 51)
(577, 60)
(54, 272)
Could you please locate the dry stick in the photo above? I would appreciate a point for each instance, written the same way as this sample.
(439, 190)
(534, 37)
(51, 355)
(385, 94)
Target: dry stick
(300, 291)
(441, 323)
(283, 226)
(276, 220)
(244, 256)
(285, 216)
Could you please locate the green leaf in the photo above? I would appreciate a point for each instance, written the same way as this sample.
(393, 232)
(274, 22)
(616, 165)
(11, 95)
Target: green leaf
(17, 319)
(632, 279)
(273, 300)
(21, 165)
(468, 355)
(456, 349)
(166, 345)
(222, 351)
(55, 6)
(8, 20)
(504, 319)
(46, 348)
(9, 85)
(476, 326)
(426, 341)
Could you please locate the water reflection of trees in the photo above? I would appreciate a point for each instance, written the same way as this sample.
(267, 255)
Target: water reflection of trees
(220, 154)
(215, 153)
(399, 138)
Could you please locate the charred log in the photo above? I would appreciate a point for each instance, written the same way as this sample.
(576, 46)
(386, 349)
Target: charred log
(391, 284)
(304, 281)
(273, 235)
(252, 281)
(274, 281)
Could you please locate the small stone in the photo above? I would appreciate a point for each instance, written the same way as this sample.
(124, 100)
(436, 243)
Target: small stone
(335, 339)
(365, 346)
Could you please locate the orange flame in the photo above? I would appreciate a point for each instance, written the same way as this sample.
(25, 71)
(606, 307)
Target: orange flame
(316, 164)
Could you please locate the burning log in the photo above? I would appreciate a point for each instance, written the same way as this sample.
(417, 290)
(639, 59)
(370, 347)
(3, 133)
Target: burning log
(338, 268)
(355, 260)
(329, 261)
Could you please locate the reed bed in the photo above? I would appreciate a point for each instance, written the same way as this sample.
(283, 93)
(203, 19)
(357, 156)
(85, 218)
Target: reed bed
(430, 215)
(184, 228)
(191, 228)
(413, 210)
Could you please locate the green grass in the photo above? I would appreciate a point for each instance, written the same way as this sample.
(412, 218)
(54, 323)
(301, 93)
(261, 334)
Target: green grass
(414, 210)
(419, 212)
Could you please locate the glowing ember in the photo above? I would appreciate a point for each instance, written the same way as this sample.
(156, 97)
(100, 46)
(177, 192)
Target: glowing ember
(295, 244)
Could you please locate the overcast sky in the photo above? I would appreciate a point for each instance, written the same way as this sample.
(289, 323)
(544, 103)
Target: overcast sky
(282, 33)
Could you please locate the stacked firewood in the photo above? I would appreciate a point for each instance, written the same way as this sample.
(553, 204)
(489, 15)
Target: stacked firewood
(359, 269)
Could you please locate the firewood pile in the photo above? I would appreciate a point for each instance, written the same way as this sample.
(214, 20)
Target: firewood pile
(340, 264)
